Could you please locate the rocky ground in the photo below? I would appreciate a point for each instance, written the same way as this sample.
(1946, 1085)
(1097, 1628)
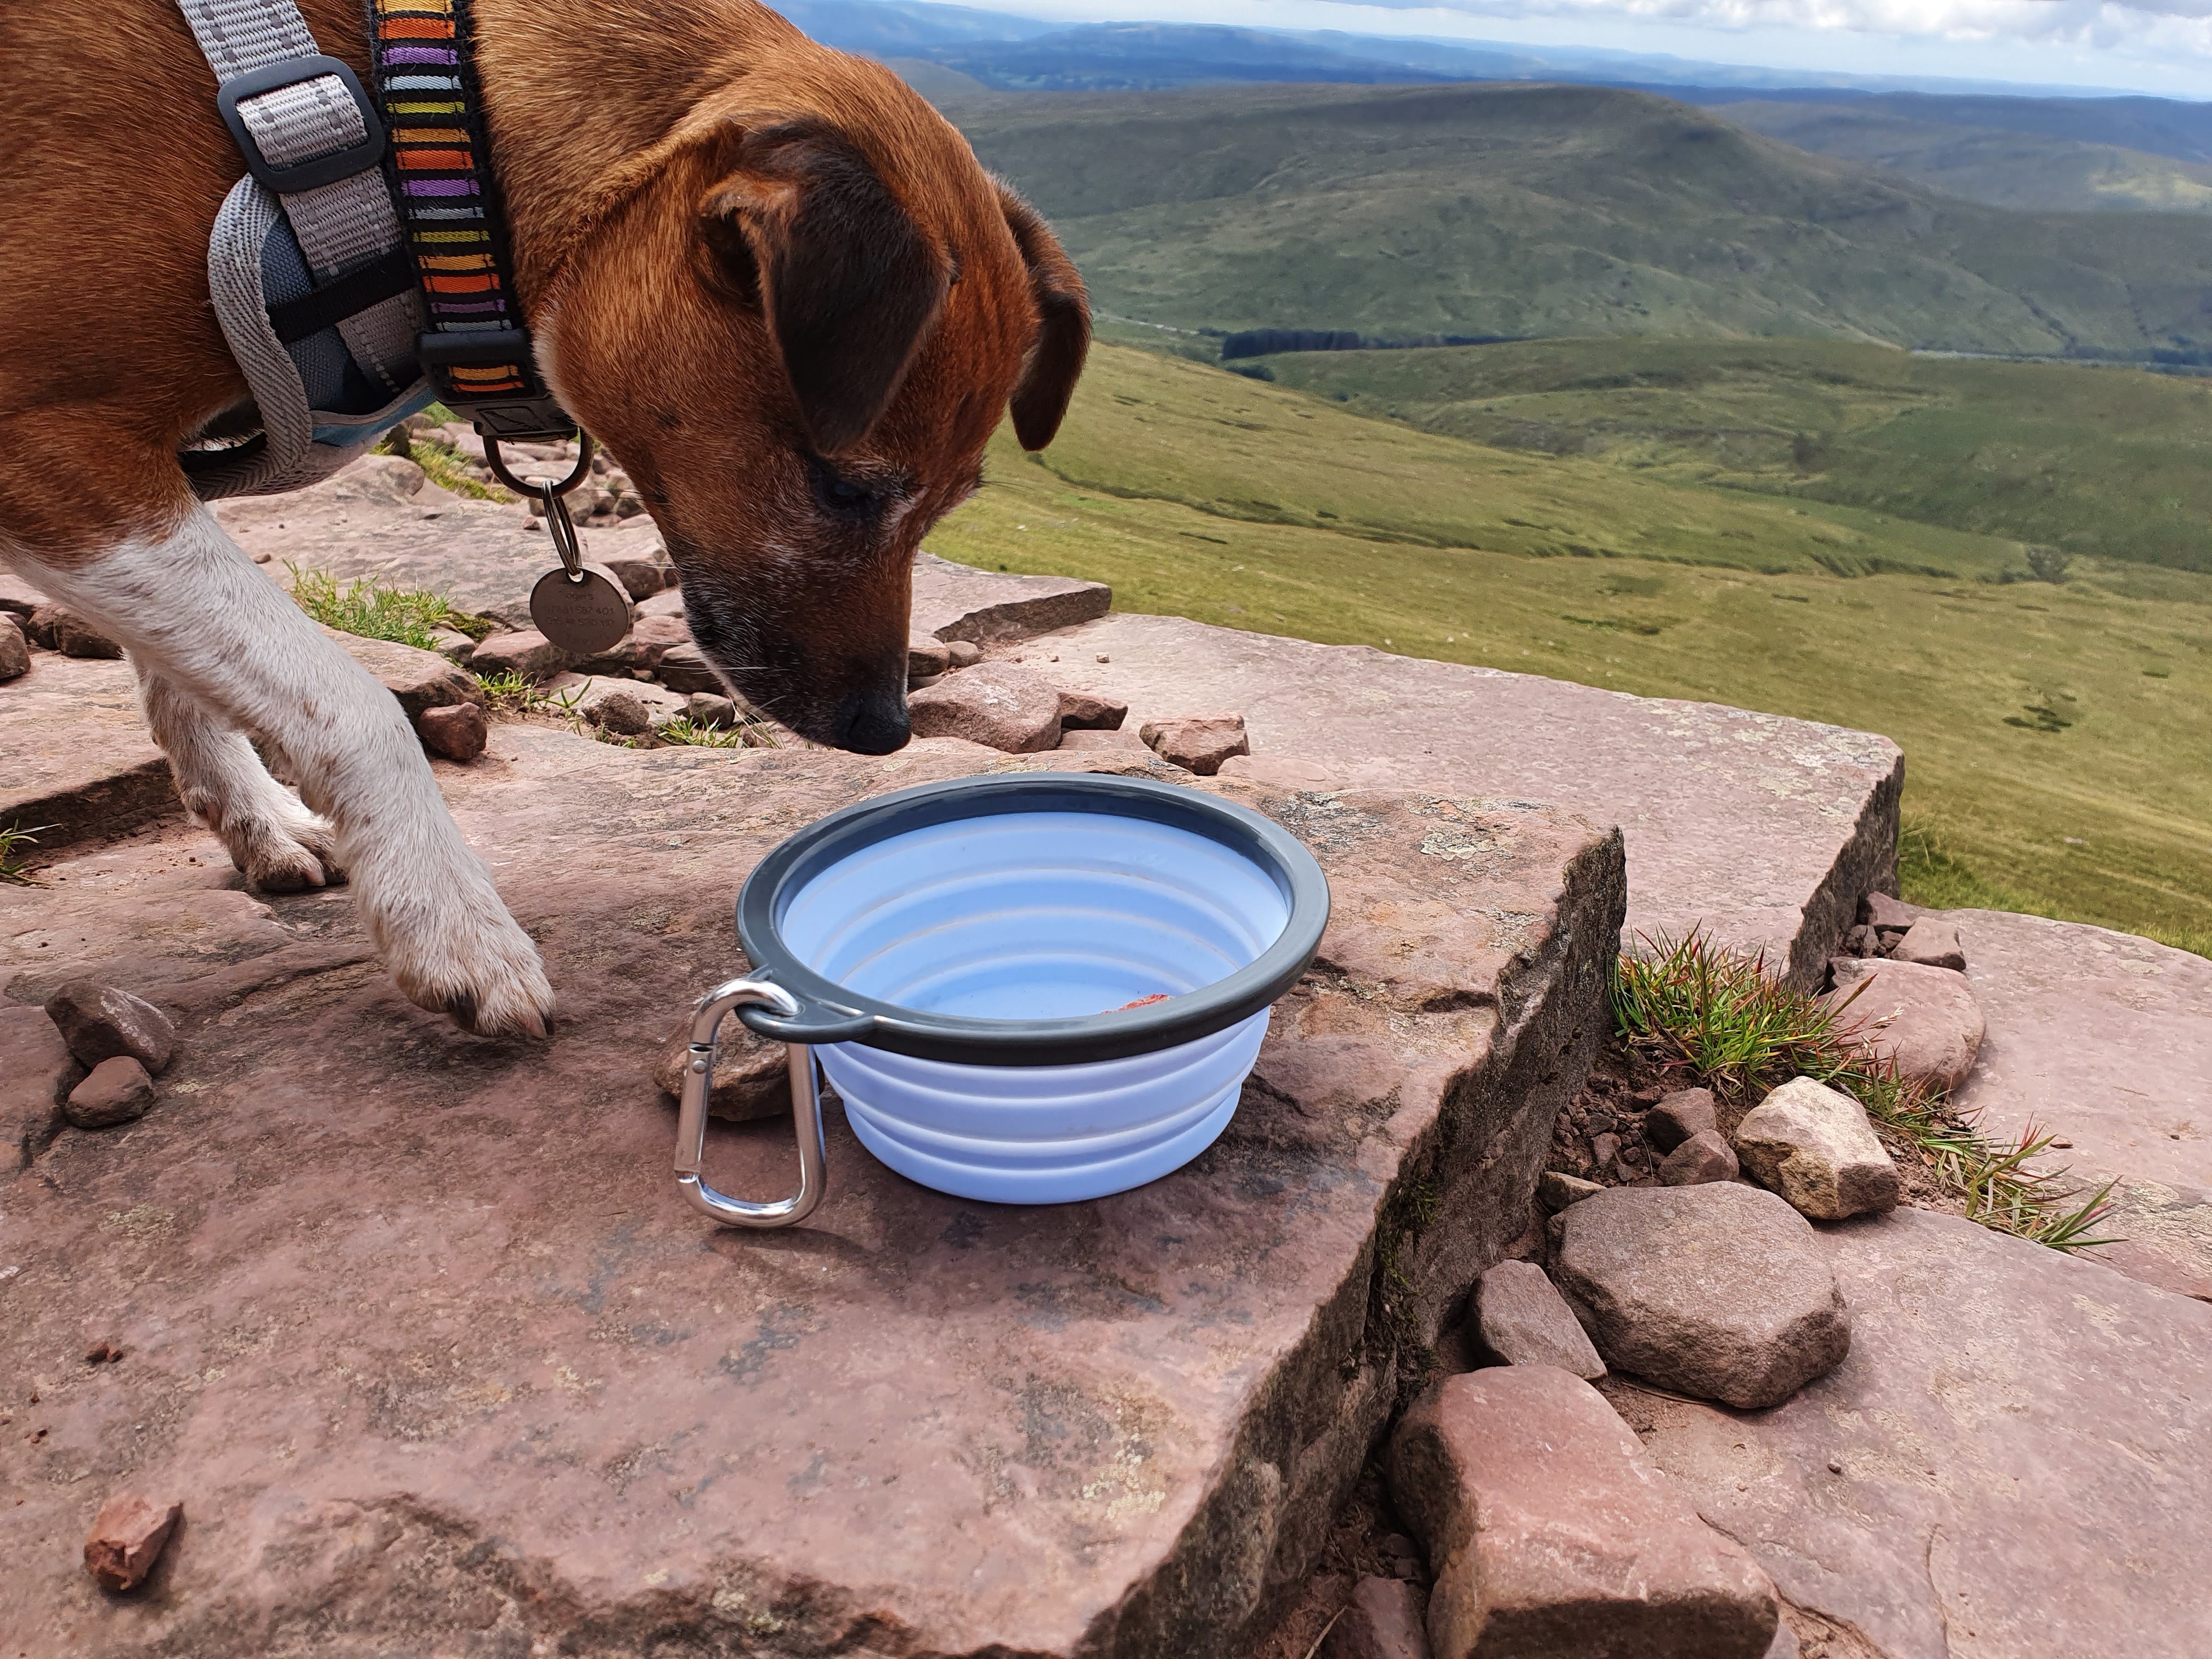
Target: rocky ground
(329, 1330)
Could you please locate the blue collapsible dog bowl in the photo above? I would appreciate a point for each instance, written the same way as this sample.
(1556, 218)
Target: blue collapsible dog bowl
(1027, 990)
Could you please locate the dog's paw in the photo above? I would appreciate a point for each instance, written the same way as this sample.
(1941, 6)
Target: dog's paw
(478, 966)
(290, 856)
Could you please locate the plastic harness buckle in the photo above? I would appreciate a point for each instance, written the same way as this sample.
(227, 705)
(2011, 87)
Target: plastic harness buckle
(317, 170)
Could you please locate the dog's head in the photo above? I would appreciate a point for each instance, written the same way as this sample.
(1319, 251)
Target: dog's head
(798, 334)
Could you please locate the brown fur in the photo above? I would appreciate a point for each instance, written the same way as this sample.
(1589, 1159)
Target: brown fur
(760, 270)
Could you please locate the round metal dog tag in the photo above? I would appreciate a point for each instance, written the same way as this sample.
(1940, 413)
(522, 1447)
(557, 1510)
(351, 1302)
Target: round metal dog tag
(584, 614)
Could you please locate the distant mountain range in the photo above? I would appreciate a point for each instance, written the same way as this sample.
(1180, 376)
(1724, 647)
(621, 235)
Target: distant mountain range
(1527, 211)
(1010, 54)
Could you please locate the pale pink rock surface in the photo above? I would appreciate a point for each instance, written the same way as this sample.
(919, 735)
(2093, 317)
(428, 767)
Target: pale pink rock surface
(425, 1325)
(2010, 1463)
(2104, 1041)
(1763, 830)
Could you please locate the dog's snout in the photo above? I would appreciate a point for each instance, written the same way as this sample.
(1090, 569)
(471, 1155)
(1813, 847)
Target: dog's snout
(872, 722)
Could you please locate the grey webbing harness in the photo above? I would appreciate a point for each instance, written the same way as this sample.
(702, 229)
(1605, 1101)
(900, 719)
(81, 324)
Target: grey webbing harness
(307, 265)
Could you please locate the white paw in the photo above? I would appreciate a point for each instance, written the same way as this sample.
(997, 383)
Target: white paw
(288, 857)
(469, 958)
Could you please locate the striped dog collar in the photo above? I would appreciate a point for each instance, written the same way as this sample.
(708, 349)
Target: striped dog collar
(475, 348)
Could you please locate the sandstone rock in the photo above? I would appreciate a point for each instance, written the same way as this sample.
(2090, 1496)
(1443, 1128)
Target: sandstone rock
(1556, 1189)
(17, 597)
(1201, 744)
(15, 650)
(2008, 1464)
(1886, 914)
(1704, 1157)
(458, 731)
(1923, 1020)
(386, 1255)
(116, 1090)
(1680, 1115)
(1127, 742)
(100, 1022)
(76, 759)
(753, 1076)
(526, 652)
(422, 680)
(456, 647)
(643, 571)
(1762, 831)
(1553, 1537)
(1001, 705)
(1815, 1147)
(1716, 1291)
(954, 602)
(1386, 1620)
(1086, 711)
(1932, 943)
(1522, 1320)
(1284, 772)
(127, 1537)
(621, 712)
(626, 708)
(668, 604)
(58, 628)
(641, 650)
(963, 653)
(684, 668)
(2104, 1040)
(36, 1068)
(705, 708)
(1604, 1148)
(927, 658)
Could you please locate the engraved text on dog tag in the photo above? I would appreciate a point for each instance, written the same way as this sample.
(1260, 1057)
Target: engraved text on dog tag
(584, 614)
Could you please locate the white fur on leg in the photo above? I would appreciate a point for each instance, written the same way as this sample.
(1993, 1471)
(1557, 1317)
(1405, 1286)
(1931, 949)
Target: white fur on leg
(272, 837)
(194, 610)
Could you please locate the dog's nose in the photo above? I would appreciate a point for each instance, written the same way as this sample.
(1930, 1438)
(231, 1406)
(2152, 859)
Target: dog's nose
(872, 722)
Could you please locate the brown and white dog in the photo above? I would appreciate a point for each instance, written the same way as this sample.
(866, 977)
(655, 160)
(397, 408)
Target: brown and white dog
(769, 275)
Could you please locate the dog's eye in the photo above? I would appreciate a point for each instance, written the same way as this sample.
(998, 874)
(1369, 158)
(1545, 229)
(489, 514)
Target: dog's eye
(843, 496)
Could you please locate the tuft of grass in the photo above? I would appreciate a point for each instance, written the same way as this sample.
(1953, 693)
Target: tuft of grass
(373, 611)
(685, 734)
(509, 691)
(1689, 1005)
(442, 463)
(14, 861)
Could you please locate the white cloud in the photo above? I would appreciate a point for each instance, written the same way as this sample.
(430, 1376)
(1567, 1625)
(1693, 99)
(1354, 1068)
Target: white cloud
(2096, 24)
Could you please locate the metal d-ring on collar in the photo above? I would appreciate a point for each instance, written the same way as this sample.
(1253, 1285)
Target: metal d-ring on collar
(554, 498)
(698, 1091)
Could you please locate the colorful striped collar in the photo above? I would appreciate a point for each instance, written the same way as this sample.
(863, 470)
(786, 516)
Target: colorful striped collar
(475, 348)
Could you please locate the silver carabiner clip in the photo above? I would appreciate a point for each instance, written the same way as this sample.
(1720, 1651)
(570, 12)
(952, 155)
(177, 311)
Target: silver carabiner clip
(698, 1091)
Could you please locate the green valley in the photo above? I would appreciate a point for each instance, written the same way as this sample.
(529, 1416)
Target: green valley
(2055, 733)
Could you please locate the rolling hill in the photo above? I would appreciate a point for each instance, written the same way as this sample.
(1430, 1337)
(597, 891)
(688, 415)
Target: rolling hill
(2055, 734)
(2106, 462)
(1536, 210)
(2002, 167)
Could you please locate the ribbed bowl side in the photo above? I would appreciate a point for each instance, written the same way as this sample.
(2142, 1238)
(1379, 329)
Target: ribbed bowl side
(1040, 915)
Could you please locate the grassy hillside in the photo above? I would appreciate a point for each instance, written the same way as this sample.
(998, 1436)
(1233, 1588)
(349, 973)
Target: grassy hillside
(2056, 735)
(2000, 167)
(1529, 210)
(2109, 462)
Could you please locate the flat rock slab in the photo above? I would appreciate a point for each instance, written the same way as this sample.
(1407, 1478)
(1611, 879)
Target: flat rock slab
(2104, 1040)
(2018, 1440)
(380, 519)
(958, 601)
(75, 753)
(422, 1328)
(1765, 831)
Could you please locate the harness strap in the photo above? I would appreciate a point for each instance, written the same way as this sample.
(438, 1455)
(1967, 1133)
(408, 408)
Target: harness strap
(296, 129)
(476, 349)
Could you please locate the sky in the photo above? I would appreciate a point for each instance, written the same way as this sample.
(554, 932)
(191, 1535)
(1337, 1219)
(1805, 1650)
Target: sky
(2161, 46)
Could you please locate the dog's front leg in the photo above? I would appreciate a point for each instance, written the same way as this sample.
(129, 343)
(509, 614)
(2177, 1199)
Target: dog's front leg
(197, 614)
(274, 840)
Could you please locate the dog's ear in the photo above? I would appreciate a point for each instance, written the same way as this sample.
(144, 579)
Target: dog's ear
(801, 226)
(1063, 341)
